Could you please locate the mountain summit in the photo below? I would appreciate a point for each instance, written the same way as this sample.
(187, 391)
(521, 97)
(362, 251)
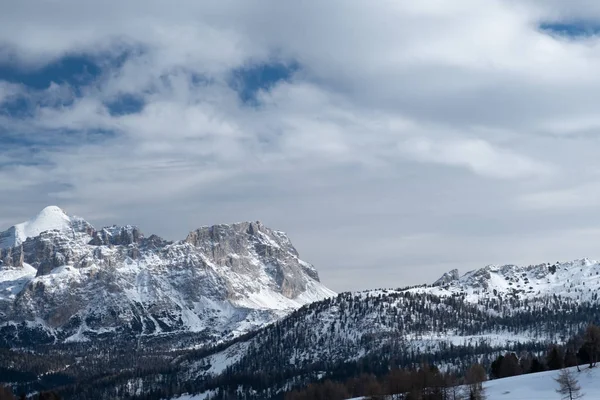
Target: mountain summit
(50, 218)
(63, 280)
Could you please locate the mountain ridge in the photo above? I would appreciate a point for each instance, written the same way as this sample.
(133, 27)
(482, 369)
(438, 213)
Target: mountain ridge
(578, 279)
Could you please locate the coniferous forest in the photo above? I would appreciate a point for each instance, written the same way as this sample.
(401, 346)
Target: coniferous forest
(356, 343)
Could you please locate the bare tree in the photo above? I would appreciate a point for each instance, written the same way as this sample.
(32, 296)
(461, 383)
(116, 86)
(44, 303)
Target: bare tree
(592, 343)
(475, 375)
(6, 393)
(569, 388)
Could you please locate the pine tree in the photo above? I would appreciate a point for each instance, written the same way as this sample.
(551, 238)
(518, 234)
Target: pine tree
(555, 358)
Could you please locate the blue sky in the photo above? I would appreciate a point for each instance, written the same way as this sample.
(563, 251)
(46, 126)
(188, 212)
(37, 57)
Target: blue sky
(80, 72)
(84, 73)
(73, 70)
(392, 141)
(572, 29)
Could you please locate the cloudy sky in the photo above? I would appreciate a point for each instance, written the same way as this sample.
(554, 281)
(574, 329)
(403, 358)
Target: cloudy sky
(392, 140)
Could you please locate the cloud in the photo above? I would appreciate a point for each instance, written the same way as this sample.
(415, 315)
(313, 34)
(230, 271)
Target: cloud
(583, 196)
(383, 131)
(8, 91)
(477, 155)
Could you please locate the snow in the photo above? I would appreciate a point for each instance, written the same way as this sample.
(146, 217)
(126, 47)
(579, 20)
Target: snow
(12, 281)
(578, 280)
(314, 292)
(50, 218)
(220, 361)
(266, 299)
(201, 396)
(539, 386)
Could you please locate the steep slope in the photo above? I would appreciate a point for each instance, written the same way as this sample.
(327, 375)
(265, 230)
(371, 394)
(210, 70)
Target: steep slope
(404, 326)
(75, 283)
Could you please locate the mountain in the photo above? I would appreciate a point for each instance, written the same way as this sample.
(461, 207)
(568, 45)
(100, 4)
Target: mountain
(577, 280)
(456, 322)
(50, 218)
(61, 280)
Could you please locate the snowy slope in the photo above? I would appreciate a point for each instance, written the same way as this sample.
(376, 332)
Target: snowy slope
(538, 386)
(541, 386)
(12, 281)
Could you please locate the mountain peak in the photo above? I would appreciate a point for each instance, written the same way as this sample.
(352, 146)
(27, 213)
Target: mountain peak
(448, 277)
(51, 210)
(50, 218)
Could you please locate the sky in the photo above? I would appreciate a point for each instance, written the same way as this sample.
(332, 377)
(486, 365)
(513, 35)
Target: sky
(392, 140)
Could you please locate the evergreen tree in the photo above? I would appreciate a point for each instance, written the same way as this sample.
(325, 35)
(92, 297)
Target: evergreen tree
(555, 358)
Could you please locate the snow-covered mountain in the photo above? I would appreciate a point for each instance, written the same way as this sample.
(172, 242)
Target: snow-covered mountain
(78, 283)
(50, 218)
(63, 280)
(458, 320)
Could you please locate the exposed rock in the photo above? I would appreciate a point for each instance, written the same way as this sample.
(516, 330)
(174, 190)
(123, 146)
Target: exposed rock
(447, 278)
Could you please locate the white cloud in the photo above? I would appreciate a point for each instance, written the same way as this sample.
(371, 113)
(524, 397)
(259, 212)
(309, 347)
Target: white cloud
(396, 105)
(583, 196)
(477, 155)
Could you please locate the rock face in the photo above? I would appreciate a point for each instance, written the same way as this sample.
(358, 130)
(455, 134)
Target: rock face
(74, 283)
(447, 278)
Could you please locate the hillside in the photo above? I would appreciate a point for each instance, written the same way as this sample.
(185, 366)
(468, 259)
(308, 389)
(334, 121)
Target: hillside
(537, 386)
(451, 324)
(541, 386)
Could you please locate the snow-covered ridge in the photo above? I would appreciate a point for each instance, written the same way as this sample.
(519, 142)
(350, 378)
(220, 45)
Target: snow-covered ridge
(577, 280)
